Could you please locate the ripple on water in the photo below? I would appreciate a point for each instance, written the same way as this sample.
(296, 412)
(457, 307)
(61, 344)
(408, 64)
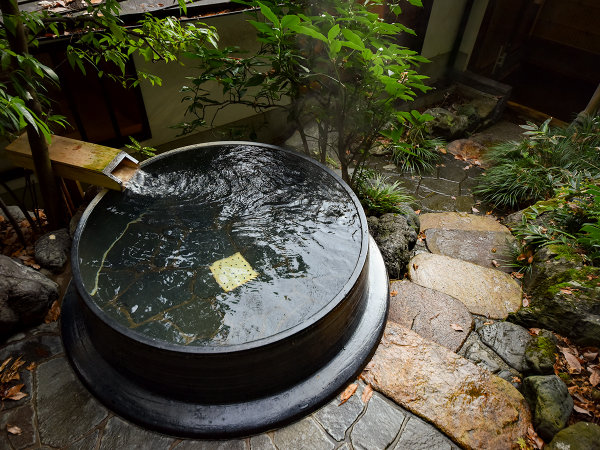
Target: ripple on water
(145, 254)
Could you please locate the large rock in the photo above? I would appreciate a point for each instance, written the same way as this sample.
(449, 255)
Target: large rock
(550, 261)
(550, 403)
(52, 249)
(473, 407)
(486, 248)
(461, 221)
(509, 341)
(483, 291)
(540, 354)
(25, 296)
(479, 353)
(446, 124)
(567, 303)
(434, 315)
(395, 238)
(580, 436)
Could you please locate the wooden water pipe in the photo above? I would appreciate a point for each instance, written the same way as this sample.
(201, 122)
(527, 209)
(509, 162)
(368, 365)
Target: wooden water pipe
(81, 161)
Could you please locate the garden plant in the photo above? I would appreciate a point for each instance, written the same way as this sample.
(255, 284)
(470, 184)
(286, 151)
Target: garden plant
(555, 174)
(97, 35)
(334, 63)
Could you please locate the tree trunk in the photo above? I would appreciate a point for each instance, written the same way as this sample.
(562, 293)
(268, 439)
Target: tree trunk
(51, 195)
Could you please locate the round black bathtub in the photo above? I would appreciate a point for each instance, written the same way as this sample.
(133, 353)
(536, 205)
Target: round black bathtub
(231, 289)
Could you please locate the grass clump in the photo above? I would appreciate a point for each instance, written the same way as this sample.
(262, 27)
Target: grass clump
(524, 172)
(378, 195)
(412, 149)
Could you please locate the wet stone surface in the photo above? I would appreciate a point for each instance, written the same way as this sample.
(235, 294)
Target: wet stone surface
(65, 409)
(382, 415)
(432, 314)
(336, 418)
(303, 435)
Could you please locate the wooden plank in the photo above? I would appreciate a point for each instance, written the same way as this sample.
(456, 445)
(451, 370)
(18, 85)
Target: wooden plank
(535, 115)
(79, 160)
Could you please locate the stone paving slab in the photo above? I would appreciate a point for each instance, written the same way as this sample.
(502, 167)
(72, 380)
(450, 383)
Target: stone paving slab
(59, 412)
(432, 314)
(461, 221)
(475, 408)
(490, 249)
(483, 291)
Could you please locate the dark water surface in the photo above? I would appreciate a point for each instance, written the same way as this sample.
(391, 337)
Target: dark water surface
(220, 245)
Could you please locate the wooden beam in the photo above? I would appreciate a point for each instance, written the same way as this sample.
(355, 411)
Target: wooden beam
(78, 160)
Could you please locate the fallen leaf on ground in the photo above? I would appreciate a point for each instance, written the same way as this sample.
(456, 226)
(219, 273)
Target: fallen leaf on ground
(581, 410)
(495, 263)
(518, 275)
(533, 438)
(489, 213)
(595, 377)
(443, 150)
(516, 379)
(13, 429)
(348, 392)
(367, 394)
(417, 212)
(525, 302)
(488, 323)
(393, 293)
(534, 331)
(14, 393)
(10, 374)
(31, 366)
(5, 363)
(456, 327)
(573, 363)
(53, 313)
(590, 356)
(475, 210)
(566, 291)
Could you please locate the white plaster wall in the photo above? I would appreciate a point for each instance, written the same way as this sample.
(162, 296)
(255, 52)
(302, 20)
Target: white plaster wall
(163, 103)
(444, 23)
(471, 32)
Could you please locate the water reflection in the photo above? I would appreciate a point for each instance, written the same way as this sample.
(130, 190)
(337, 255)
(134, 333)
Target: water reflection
(145, 254)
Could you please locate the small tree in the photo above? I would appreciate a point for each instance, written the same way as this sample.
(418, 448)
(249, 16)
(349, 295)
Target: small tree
(337, 62)
(97, 34)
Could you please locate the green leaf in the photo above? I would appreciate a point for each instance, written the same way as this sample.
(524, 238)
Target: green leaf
(353, 37)
(309, 32)
(269, 14)
(289, 21)
(333, 32)
(27, 115)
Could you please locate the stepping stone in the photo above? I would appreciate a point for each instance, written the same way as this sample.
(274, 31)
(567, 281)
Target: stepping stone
(432, 314)
(473, 407)
(483, 291)
(509, 341)
(461, 221)
(486, 248)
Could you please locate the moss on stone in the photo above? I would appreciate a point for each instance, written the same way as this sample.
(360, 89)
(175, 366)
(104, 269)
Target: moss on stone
(563, 251)
(565, 377)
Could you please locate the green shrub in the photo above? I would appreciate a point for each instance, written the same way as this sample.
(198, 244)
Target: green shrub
(524, 172)
(378, 195)
(412, 150)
